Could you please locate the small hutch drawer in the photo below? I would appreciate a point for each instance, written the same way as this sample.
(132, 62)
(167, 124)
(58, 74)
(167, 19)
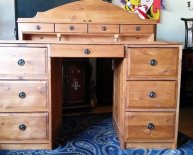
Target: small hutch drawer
(71, 28)
(36, 27)
(23, 61)
(20, 126)
(77, 51)
(23, 95)
(137, 29)
(152, 63)
(150, 126)
(98, 28)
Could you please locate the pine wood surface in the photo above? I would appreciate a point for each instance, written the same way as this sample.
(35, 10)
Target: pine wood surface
(138, 93)
(35, 99)
(32, 57)
(104, 30)
(111, 51)
(87, 11)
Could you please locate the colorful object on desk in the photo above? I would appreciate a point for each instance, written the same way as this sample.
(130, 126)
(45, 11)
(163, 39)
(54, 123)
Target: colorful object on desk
(144, 8)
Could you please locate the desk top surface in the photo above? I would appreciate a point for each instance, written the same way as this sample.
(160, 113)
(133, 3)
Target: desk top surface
(127, 43)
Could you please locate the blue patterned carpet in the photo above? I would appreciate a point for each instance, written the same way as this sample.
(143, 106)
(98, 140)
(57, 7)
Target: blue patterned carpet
(93, 134)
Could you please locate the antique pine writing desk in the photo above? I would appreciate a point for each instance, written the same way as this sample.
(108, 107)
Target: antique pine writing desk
(146, 75)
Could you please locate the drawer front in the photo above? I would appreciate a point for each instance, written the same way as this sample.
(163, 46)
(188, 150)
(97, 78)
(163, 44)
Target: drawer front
(153, 62)
(151, 94)
(23, 61)
(150, 126)
(21, 126)
(97, 28)
(74, 28)
(23, 95)
(137, 29)
(77, 51)
(36, 27)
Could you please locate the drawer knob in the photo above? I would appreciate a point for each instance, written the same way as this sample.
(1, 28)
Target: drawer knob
(152, 94)
(153, 62)
(38, 27)
(22, 95)
(71, 28)
(22, 127)
(137, 28)
(150, 126)
(21, 62)
(104, 28)
(87, 51)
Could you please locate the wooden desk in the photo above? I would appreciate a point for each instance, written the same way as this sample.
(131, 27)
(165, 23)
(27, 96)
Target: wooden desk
(146, 75)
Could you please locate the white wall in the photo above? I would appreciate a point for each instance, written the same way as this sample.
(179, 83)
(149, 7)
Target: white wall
(171, 28)
(7, 20)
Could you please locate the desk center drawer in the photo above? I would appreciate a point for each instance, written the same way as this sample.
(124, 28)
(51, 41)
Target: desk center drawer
(87, 51)
(23, 95)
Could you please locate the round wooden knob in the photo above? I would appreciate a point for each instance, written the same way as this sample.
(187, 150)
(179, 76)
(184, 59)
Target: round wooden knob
(38, 27)
(152, 94)
(87, 51)
(137, 28)
(21, 62)
(22, 95)
(153, 62)
(22, 127)
(150, 126)
(71, 28)
(104, 28)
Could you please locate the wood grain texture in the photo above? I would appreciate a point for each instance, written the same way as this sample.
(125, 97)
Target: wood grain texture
(33, 58)
(55, 97)
(166, 66)
(77, 51)
(139, 94)
(36, 127)
(34, 98)
(153, 145)
(119, 91)
(22, 146)
(36, 27)
(103, 28)
(87, 11)
(71, 28)
(137, 29)
(88, 37)
(136, 126)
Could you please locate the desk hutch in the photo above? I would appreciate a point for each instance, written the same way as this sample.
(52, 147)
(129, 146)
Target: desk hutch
(146, 75)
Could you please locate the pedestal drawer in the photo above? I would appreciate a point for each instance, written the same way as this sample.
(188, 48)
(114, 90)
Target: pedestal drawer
(23, 61)
(20, 126)
(152, 63)
(151, 94)
(149, 126)
(23, 95)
